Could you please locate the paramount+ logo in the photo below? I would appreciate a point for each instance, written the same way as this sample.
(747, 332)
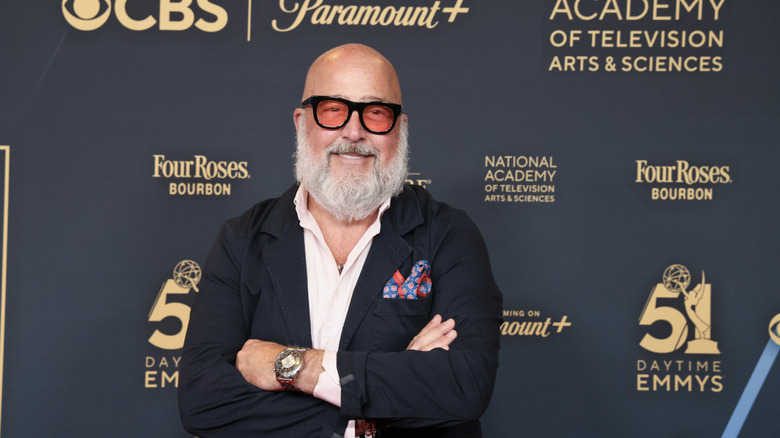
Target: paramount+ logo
(166, 15)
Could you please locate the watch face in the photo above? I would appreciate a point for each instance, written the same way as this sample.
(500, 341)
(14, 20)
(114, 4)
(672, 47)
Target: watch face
(288, 363)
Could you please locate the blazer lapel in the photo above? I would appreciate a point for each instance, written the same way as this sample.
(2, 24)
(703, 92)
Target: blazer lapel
(285, 260)
(387, 252)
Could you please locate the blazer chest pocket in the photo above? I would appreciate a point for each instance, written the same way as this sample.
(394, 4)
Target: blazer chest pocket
(397, 321)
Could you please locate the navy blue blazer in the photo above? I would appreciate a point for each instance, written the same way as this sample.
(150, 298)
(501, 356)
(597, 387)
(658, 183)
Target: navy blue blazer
(254, 286)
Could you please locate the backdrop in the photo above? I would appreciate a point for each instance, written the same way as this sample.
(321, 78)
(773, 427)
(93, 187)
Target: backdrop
(619, 156)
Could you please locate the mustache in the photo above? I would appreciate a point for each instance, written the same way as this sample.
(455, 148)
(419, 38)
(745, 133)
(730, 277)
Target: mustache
(352, 148)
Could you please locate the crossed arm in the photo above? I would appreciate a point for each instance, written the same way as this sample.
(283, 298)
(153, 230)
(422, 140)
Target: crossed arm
(255, 360)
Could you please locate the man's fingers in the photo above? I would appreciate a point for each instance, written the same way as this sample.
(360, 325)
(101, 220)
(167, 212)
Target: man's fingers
(431, 324)
(443, 341)
(435, 334)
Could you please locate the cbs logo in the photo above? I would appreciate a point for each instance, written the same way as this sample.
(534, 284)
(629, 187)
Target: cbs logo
(173, 15)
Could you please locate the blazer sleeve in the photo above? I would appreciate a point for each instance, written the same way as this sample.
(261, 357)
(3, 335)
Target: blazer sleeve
(439, 387)
(214, 398)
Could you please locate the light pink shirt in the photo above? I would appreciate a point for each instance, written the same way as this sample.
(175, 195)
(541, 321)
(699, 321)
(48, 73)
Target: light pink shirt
(330, 293)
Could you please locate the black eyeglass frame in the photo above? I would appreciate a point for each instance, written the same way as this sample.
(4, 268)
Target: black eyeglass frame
(351, 107)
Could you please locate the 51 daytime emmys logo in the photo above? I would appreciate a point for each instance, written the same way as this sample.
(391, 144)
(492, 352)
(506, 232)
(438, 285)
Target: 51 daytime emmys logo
(677, 318)
(171, 316)
(88, 15)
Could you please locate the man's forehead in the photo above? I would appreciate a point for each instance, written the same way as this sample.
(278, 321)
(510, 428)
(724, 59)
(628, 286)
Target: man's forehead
(356, 87)
(353, 72)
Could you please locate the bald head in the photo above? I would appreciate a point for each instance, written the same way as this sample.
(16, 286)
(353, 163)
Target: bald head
(355, 72)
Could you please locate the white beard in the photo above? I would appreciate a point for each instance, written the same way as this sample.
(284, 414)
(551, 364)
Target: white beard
(355, 196)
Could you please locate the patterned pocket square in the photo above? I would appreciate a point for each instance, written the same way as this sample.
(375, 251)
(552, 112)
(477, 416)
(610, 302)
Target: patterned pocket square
(417, 285)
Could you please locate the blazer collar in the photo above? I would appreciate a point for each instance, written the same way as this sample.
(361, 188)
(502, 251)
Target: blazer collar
(281, 219)
(405, 212)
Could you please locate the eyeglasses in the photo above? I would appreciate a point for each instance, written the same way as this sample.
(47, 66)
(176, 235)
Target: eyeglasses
(334, 113)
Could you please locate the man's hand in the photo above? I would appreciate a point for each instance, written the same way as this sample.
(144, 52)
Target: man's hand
(436, 334)
(255, 361)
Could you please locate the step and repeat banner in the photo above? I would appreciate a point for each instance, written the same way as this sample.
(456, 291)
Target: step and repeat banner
(619, 156)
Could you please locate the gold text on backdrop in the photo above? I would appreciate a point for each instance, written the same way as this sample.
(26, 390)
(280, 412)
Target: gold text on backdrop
(320, 13)
(89, 15)
(633, 10)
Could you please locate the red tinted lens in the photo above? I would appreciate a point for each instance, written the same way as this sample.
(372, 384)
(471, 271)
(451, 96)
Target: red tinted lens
(378, 117)
(332, 113)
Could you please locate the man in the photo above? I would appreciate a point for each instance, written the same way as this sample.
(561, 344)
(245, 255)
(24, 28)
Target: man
(330, 311)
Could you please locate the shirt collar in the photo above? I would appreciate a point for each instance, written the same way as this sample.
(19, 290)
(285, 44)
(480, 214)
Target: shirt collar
(307, 219)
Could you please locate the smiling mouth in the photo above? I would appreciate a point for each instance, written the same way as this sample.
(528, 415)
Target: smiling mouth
(352, 156)
(354, 151)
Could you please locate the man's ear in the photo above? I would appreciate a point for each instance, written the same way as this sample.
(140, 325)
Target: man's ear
(297, 114)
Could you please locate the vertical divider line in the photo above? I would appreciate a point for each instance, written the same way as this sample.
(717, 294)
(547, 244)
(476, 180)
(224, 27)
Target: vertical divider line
(249, 22)
(6, 180)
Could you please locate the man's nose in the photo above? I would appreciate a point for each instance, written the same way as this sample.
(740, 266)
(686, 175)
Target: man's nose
(353, 130)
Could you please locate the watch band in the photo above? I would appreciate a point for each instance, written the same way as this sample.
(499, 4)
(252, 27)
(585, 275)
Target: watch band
(287, 384)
